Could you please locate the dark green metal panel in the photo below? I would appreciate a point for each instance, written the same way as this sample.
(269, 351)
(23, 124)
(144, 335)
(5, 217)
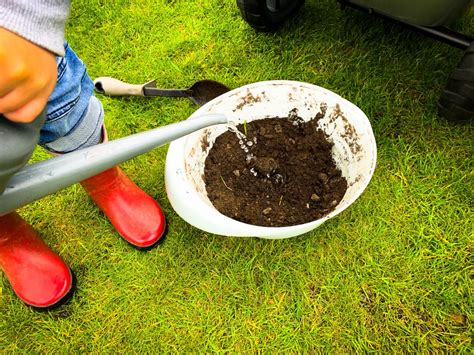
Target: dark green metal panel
(419, 12)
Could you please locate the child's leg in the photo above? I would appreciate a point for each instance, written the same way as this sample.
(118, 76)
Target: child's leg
(37, 275)
(75, 121)
(74, 116)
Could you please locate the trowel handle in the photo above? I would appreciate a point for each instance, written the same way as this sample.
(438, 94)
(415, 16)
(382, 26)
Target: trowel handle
(114, 87)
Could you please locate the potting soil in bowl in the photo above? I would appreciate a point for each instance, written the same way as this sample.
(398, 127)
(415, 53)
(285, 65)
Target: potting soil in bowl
(276, 172)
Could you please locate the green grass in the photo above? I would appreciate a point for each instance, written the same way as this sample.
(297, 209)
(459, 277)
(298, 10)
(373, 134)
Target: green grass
(393, 273)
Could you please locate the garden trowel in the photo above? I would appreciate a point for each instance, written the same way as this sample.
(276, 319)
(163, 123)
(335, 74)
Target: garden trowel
(200, 92)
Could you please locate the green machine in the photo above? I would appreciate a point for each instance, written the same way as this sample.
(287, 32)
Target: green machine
(430, 17)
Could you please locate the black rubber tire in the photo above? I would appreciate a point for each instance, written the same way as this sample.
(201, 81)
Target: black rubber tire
(264, 19)
(456, 102)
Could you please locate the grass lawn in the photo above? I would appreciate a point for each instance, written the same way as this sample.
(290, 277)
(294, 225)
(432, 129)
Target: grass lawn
(393, 273)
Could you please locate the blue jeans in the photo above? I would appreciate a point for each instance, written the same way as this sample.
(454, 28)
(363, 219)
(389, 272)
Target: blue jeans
(74, 117)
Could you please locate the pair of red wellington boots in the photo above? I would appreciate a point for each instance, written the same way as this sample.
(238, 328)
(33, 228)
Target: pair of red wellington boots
(39, 277)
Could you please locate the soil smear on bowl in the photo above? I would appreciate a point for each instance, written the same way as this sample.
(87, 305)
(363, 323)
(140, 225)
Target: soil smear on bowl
(276, 172)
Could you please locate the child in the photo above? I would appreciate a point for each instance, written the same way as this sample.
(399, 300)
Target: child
(37, 68)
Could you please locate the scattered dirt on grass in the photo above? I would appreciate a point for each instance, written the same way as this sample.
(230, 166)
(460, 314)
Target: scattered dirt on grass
(286, 177)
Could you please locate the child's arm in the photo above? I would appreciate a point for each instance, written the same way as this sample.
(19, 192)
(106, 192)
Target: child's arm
(31, 35)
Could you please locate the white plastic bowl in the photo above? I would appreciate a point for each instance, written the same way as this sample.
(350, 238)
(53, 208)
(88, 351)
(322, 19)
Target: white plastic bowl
(354, 151)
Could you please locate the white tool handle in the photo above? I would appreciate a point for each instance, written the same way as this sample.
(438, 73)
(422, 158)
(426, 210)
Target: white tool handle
(114, 87)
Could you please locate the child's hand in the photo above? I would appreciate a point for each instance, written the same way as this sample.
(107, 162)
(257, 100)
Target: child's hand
(27, 77)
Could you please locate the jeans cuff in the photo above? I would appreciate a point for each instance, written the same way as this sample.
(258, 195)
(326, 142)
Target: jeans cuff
(87, 133)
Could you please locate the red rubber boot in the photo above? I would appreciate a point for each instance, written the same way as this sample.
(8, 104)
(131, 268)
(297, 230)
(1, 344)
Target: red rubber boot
(136, 216)
(39, 277)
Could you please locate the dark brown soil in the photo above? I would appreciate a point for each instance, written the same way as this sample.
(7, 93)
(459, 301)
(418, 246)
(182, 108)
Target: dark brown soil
(287, 177)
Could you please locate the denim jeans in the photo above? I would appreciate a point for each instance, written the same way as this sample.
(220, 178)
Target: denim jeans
(74, 117)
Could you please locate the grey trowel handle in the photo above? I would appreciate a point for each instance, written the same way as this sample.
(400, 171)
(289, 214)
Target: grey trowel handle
(114, 87)
(17, 142)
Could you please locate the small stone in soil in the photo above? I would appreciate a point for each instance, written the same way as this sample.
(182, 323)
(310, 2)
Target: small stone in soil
(267, 210)
(315, 197)
(323, 178)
